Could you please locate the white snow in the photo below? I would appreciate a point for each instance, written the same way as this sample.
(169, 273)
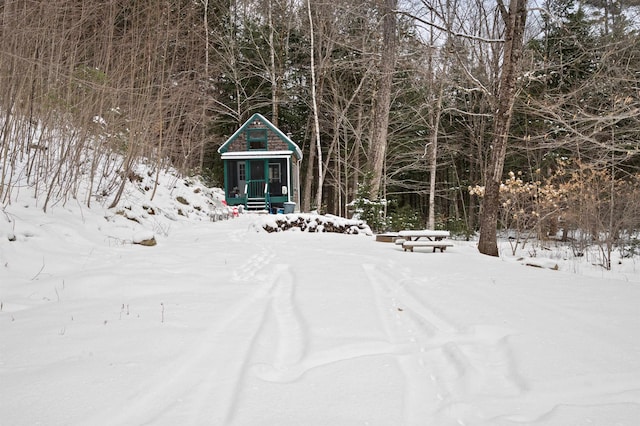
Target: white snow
(222, 323)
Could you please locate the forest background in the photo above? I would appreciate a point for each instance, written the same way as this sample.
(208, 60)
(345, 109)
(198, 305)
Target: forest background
(396, 105)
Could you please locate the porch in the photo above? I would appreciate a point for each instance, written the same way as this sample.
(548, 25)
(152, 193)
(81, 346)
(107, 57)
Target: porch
(258, 183)
(261, 167)
(257, 195)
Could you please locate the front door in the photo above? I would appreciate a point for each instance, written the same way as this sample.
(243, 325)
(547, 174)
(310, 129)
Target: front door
(256, 178)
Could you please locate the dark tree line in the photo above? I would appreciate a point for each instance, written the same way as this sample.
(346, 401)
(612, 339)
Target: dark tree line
(416, 102)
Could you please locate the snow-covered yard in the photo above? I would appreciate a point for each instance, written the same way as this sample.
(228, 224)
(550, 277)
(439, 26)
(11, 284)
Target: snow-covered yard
(222, 323)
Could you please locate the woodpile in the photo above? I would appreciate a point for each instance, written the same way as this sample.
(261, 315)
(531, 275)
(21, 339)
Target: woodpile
(317, 224)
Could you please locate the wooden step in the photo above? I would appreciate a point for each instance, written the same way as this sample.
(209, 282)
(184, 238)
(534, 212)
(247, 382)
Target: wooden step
(256, 204)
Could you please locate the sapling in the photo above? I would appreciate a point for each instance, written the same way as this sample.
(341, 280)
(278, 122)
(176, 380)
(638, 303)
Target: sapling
(40, 271)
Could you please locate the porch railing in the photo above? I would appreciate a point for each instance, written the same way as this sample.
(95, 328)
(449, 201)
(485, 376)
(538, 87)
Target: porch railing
(256, 188)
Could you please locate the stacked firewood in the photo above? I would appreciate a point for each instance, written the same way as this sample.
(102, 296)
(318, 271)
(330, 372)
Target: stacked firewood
(317, 224)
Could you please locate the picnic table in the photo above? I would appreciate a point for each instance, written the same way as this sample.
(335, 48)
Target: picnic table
(423, 238)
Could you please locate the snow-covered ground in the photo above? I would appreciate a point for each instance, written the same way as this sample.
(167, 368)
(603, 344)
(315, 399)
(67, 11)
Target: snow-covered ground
(221, 323)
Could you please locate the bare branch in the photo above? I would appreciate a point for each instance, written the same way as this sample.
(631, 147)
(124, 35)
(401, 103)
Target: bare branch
(452, 33)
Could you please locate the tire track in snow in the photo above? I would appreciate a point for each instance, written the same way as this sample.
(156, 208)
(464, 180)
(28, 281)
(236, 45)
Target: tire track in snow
(482, 369)
(236, 370)
(501, 393)
(420, 383)
(168, 397)
(292, 372)
(446, 365)
(291, 359)
(291, 337)
(540, 403)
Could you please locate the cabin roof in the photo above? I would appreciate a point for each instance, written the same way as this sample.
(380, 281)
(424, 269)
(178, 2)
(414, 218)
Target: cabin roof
(292, 145)
(255, 154)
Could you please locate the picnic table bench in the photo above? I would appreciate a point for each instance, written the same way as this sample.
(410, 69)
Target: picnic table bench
(423, 238)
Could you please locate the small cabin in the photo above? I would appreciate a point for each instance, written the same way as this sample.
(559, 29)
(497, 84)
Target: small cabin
(261, 168)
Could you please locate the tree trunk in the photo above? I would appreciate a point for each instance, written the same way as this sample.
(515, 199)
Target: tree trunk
(515, 20)
(383, 96)
(272, 71)
(316, 123)
(433, 160)
(309, 175)
(203, 128)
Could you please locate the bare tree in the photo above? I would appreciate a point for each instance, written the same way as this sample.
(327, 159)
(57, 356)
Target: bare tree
(314, 101)
(514, 21)
(382, 97)
(92, 92)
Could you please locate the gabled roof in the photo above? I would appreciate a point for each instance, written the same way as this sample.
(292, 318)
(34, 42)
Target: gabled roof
(292, 146)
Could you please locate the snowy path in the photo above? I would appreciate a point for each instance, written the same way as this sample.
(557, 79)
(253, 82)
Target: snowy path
(220, 325)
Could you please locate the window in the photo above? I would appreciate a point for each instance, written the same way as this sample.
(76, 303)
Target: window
(242, 174)
(257, 139)
(274, 173)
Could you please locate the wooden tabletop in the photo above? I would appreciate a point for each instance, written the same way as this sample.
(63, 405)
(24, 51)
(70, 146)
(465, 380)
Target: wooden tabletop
(424, 233)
